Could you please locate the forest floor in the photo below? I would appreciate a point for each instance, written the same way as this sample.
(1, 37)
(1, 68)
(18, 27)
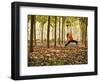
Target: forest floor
(42, 56)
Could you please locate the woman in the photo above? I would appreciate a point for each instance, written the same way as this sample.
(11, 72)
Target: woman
(70, 39)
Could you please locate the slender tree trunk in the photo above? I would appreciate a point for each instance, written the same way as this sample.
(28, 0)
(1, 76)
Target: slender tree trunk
(62, 29)
(83, 38)
(86, 32)
(64, 33)
(42, 33)
(83, 31)
(48, 30)
(34, 29)
(52, 34)
(86, 36)
(31, 35)
(55, 31)
(83, 27)
(59, 30)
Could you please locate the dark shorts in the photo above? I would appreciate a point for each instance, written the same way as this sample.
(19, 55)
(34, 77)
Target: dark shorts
(74, 41)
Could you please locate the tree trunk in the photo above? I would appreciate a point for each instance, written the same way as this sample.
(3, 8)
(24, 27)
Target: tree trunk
(86, 36)
(55, 31)
(31, 35)
(48, 30)
(59, 30)
(42, 33)
(64, 32)
(82, 37)
(83, 25)
(34, 29)
(86, 32)
(62, 29)
(83, 30)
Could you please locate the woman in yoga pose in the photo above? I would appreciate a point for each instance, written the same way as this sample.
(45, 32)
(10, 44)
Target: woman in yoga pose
(70, 39)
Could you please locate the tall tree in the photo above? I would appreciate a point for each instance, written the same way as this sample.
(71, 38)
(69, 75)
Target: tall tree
(48, 30)
(62, 29)
(31, 33)
(34, 29)
(64, 33)
(63, 26)
(59, 30)
(42, 20)
(52, 24)
(55, 31)
(83, 27)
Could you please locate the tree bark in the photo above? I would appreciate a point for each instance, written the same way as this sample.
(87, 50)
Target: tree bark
(62, 29)
(42, 27)
(84, 22)
(55, 31)
(64, 33)
(48, 29)
(31, 35)
(34, 29)
(86, 36)
(83, 37)
(59, 30)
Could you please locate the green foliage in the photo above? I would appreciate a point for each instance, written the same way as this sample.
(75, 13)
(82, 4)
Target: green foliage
(70, 21)
(52, 21)
(60, 23)
(41, 19)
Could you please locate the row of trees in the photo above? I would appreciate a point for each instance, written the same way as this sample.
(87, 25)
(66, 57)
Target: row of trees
(55, 22)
